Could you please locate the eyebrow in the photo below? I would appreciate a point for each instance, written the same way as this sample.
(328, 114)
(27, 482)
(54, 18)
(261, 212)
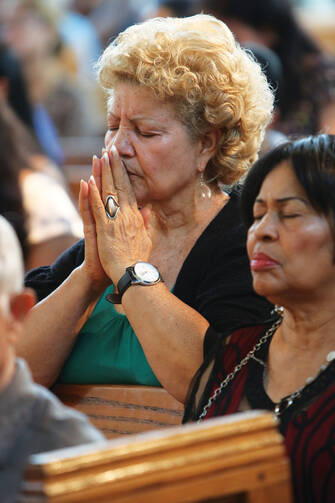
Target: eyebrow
(282, 200)
(133, 119)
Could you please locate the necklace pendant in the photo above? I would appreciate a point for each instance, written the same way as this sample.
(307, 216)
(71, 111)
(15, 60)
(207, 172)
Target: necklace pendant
(277, 410)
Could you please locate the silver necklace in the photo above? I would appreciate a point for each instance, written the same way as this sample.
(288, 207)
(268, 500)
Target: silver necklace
(285, 402)
(269, 333)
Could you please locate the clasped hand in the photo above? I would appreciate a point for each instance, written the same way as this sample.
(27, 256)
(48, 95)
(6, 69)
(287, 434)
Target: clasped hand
(111, 245)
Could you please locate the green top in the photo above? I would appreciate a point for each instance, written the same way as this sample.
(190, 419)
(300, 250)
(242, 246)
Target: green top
(107, 351)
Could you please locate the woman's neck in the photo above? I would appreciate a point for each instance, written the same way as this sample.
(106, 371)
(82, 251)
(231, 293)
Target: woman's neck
(187, 213)
(299, 349)
(309, 328)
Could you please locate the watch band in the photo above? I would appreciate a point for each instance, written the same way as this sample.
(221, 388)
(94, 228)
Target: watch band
(124, 282)
(129, 278)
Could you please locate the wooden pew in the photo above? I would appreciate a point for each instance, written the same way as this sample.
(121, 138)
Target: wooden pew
(122, 410)
(239, 458)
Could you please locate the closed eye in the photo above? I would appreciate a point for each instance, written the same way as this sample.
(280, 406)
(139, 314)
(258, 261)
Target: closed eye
(290, 215)
(143, 133)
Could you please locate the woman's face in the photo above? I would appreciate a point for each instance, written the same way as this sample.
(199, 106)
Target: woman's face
(290, 245)
(160, 157)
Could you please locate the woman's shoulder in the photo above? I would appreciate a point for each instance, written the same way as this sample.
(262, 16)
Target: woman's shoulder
(233, 343)
(228, 218)
(239, 335)
(46, 279)
(225, 232)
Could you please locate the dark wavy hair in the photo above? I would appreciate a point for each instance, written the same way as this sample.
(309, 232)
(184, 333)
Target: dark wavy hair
(18, 100)
(313, 162)
(292, 43)
(12, 161)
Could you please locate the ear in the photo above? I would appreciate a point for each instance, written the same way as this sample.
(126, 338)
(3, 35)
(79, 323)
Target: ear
(208, 144)
(21, 303)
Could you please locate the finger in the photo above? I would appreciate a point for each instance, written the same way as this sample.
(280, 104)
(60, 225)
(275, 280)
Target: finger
(96, 172)
(107, 181)
(96, 204)
(83, 201)
(85, 211)
(122, 183)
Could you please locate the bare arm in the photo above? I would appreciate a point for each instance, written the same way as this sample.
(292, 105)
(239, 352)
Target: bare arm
(52, 326)
(171, 334)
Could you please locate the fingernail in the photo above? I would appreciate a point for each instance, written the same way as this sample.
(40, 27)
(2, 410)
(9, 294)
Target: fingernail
(105, 156)
(95, 157)
(92, 181)
(103, 150)
(114, 149)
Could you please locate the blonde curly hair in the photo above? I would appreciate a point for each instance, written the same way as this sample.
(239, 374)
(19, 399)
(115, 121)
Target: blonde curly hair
(196, 63)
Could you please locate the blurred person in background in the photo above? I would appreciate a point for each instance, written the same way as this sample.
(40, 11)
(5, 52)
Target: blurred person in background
(33, 195)
(111, 17)
(13, 89)
(79, 34)
(307, 95)
(32, 420)
(168, 8)
(30, 28)
(273, 70)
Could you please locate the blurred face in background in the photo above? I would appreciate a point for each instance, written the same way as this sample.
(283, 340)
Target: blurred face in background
(26, 31)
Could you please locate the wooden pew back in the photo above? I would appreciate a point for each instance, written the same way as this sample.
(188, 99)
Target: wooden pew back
(122, 410)
(238, 458)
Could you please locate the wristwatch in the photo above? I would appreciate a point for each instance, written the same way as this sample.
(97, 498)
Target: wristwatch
(141, 273)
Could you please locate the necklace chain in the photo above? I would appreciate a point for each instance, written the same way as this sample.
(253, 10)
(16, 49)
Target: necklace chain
(269, 333)
(285, 402)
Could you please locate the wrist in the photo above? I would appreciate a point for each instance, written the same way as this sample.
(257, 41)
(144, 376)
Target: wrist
(138, 274)
(88, 285)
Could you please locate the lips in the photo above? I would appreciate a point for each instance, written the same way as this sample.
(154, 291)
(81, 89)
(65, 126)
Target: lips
(262, 261)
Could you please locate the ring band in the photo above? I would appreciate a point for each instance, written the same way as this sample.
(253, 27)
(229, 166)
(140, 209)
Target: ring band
(111, 207)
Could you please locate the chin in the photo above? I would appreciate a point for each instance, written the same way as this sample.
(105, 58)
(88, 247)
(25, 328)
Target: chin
(270, 291)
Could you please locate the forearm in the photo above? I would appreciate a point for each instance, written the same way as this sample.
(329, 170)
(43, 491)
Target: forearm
(53, 324)
(170, 332)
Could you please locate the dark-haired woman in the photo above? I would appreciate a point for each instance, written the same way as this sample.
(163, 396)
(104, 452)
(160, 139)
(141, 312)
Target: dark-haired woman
(287, 364)
(306, 98)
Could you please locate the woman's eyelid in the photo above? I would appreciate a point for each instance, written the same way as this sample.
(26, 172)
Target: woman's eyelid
(146, 133)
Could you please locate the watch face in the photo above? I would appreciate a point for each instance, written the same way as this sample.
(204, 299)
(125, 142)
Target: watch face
(145, 272)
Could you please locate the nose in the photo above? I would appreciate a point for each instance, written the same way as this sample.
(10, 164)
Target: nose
(266, 228)
(123, 142)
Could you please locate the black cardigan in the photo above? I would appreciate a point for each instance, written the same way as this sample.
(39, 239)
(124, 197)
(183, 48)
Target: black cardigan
(215, 278)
